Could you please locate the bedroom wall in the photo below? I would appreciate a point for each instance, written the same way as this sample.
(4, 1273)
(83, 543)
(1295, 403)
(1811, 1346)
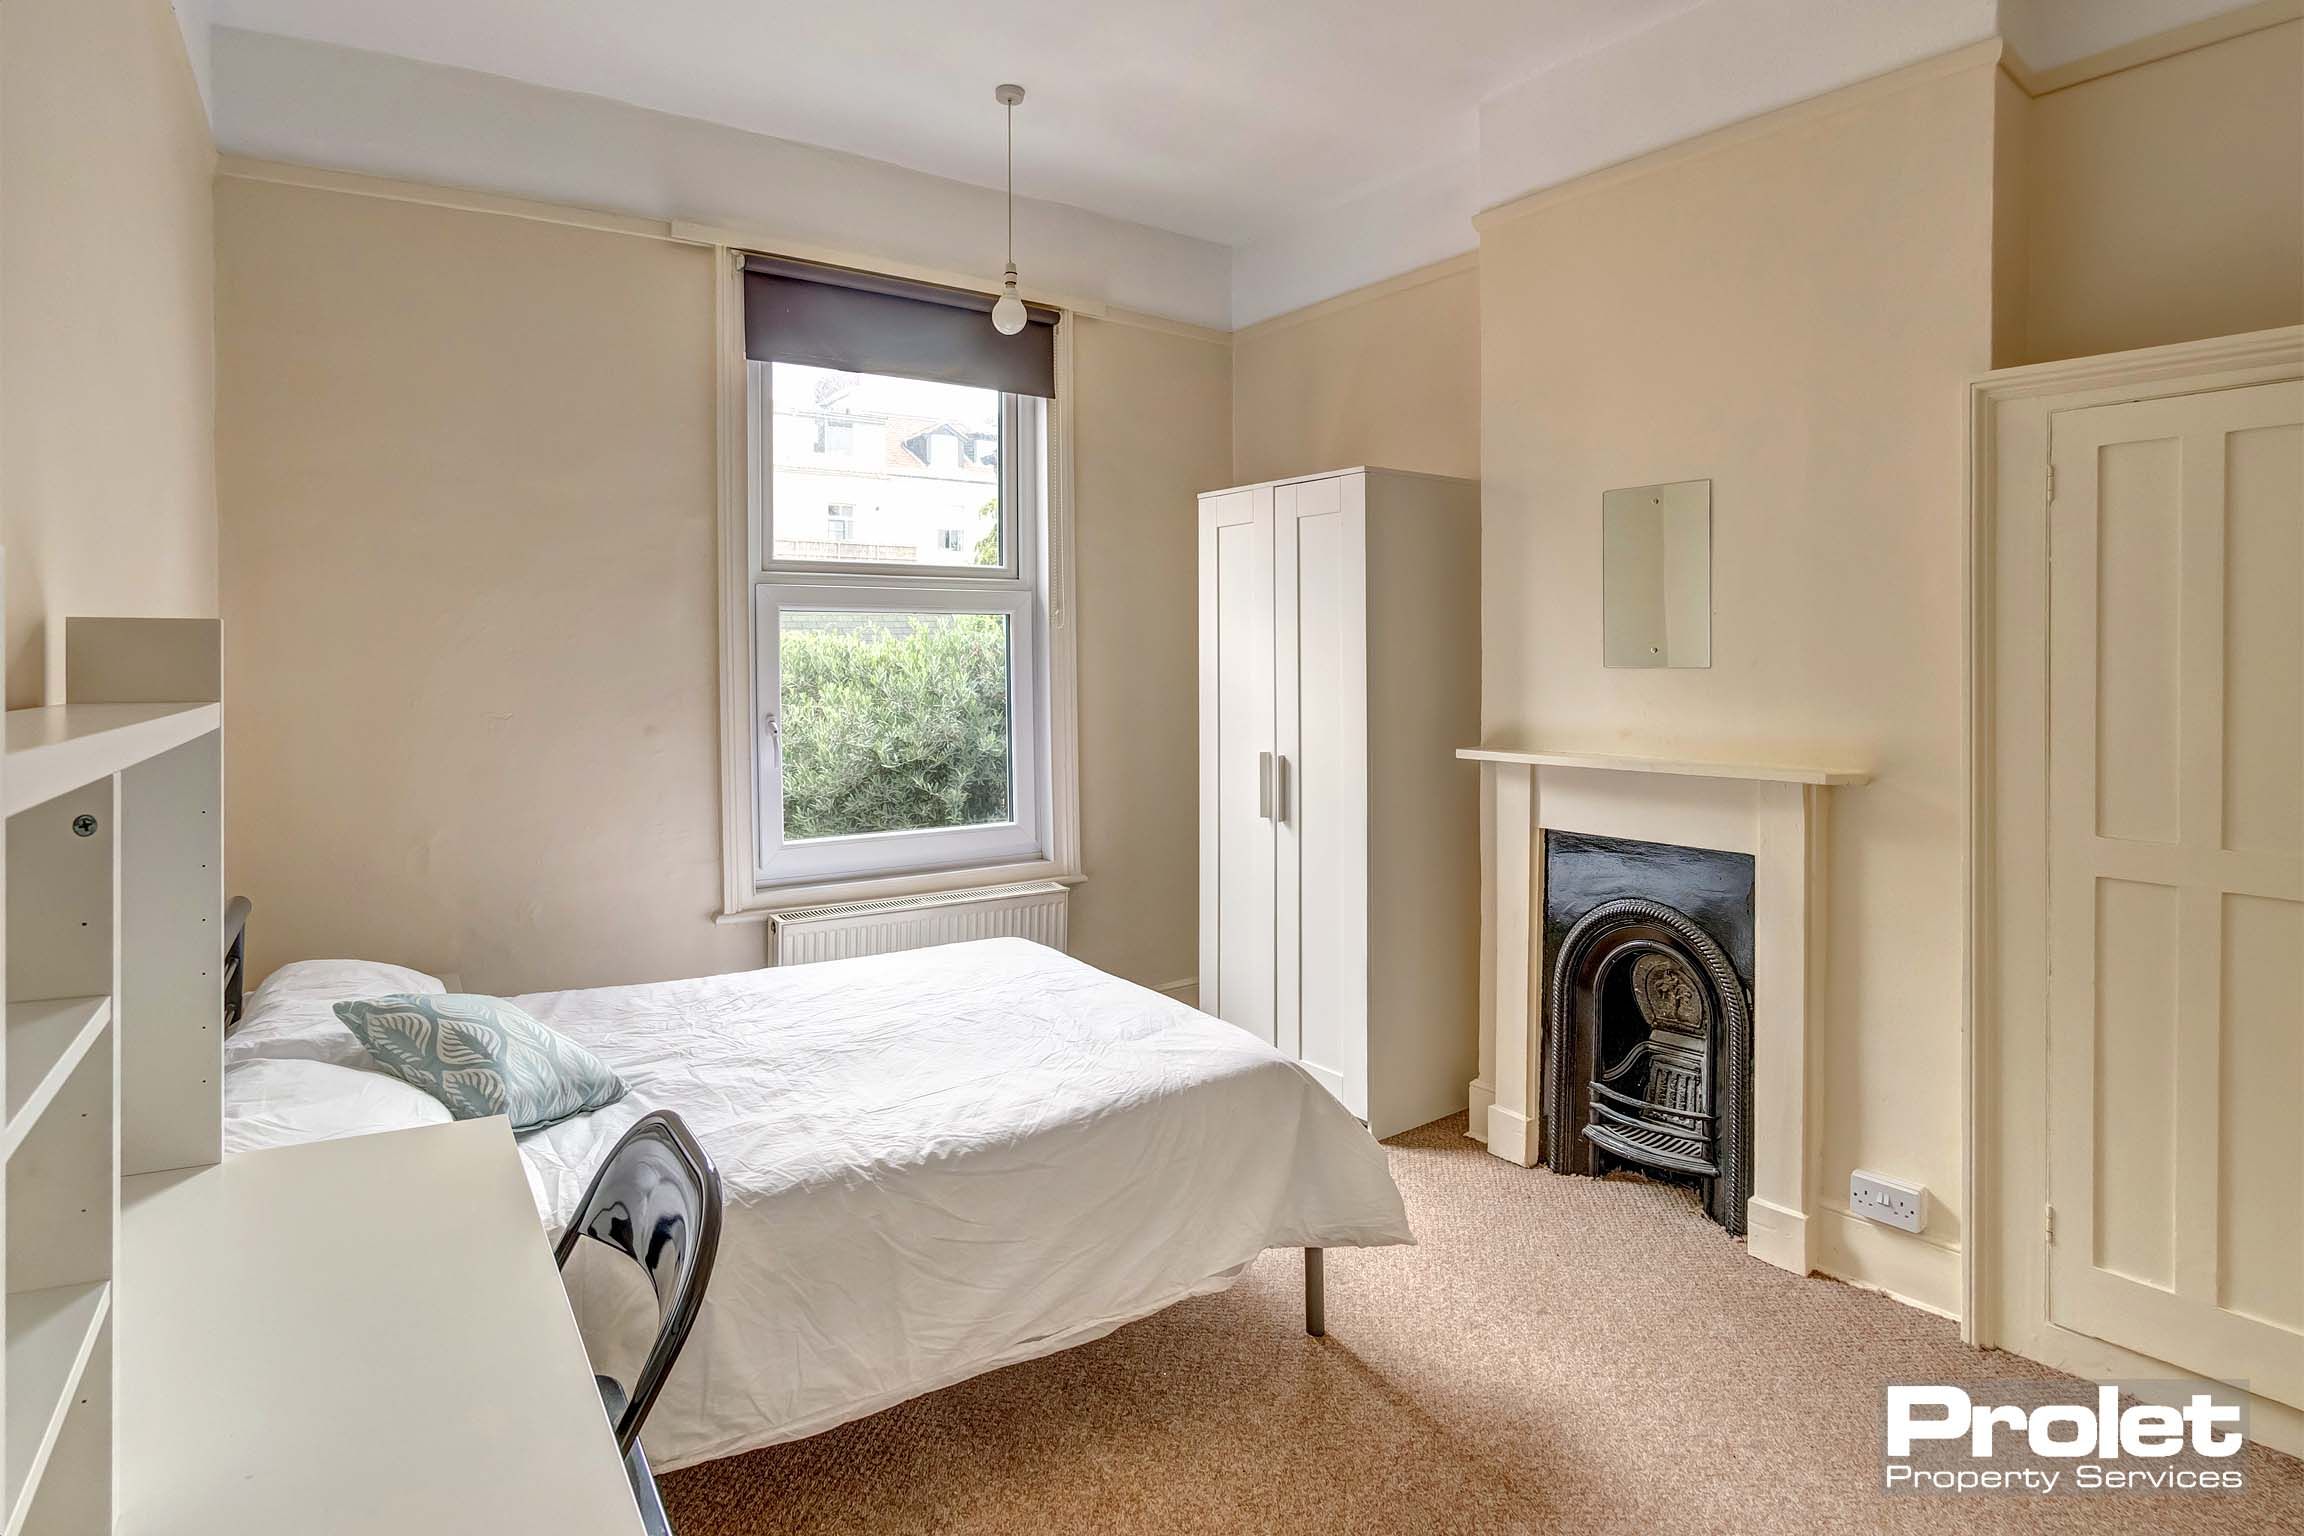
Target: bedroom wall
(2166, 202)
(468, 489)
(107, 327)
(1387, 375)
(2011, 221)
(1789, 308)
(468, 484)
(1152, 428)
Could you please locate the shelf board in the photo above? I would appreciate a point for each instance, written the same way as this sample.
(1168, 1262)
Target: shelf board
(60, 747)
(46, 1040)
(1765, 773)
(50, 1335)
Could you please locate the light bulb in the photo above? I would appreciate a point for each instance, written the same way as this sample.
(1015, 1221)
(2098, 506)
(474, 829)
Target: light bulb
(1008, 313)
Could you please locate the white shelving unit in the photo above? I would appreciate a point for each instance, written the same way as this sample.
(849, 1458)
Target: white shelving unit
(179, 1360)
(113, 962)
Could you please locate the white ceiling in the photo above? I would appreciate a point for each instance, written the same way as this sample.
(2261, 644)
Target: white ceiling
(1213, 118)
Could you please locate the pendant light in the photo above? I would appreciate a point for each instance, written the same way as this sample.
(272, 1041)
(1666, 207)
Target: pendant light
(1008, 314)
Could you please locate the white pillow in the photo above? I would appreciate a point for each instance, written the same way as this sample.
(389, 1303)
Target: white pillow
(285, 1102)
(292, 1016)
(329, 982)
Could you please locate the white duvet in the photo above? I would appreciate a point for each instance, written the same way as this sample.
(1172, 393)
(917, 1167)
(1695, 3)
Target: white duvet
(935, 1163)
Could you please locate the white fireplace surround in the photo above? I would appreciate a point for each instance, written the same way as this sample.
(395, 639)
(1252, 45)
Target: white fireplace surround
(1776, 814)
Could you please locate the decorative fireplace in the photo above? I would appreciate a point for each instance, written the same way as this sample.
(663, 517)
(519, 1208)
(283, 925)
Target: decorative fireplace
(1648, 1062)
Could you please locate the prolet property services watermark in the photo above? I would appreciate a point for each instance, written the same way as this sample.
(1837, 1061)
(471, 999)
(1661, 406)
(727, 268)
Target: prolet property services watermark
(2064, 1437)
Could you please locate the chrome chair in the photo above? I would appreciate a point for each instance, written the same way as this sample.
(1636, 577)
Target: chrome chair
(656, 1200)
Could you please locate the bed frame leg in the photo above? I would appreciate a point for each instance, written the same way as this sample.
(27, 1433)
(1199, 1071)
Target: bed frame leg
(1315, 1294)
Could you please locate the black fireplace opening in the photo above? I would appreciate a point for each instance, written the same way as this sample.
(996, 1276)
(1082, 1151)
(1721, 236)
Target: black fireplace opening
(1648, 1017)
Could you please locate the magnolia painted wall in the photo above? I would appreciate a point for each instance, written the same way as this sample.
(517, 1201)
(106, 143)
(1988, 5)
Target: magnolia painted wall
(2166, 202)
(1152, 427)
(469, 494)
(2011, 219)
(1387, 375)
(468, 489)
(107, 327)
(1789, 309)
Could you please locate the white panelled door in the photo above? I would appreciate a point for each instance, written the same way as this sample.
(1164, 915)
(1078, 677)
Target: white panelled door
(1236, 769)
(2176, 882)
(1320, 686)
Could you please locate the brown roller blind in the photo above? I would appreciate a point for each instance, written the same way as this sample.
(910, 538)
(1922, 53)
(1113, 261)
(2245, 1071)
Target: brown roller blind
(863, 322)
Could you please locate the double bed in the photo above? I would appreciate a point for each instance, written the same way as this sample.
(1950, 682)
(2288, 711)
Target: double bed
(935, 1163)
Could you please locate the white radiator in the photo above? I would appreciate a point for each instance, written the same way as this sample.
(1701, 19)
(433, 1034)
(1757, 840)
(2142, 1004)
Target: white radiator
(840, 930)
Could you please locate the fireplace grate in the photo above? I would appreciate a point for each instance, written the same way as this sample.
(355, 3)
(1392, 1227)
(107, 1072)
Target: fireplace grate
(1646, 1144)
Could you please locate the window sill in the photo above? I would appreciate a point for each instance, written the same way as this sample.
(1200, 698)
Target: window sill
(776, 899)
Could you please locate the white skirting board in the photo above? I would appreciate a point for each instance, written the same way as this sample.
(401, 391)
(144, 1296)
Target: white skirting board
(1035, 910)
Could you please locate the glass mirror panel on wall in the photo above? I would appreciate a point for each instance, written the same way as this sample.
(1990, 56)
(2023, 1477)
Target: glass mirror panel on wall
(1656, 575)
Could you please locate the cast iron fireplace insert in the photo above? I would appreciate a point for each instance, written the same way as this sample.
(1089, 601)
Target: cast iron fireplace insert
(1648, 1019)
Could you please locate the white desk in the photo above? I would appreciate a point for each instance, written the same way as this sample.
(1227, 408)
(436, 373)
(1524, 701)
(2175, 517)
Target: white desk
(358, 1336)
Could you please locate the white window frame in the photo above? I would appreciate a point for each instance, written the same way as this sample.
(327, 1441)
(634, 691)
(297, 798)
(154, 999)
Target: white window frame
(1035, 579)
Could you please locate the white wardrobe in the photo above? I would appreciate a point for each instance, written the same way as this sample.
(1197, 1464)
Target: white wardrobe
(1339, 835)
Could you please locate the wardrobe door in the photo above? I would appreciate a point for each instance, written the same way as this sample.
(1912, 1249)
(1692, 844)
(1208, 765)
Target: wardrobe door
(1237, 771)
(1320, 619)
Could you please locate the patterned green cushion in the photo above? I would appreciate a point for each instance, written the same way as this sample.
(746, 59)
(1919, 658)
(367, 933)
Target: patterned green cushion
(481, 1056)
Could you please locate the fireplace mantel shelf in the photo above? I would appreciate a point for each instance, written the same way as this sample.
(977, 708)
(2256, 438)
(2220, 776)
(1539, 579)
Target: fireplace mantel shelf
(1767, 773)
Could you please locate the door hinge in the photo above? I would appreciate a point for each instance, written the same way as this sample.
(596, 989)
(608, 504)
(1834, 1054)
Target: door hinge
(2051, 482)
(2048, 1224)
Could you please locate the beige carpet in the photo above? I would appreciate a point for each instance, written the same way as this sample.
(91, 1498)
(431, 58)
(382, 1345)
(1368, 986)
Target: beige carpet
(1558, 1354)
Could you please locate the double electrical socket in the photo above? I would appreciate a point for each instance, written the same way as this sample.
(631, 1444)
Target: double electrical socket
(1890, 1202)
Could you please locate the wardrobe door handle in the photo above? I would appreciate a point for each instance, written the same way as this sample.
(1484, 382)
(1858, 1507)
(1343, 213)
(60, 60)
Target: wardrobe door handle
(1264, 786)
(1280, 789)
